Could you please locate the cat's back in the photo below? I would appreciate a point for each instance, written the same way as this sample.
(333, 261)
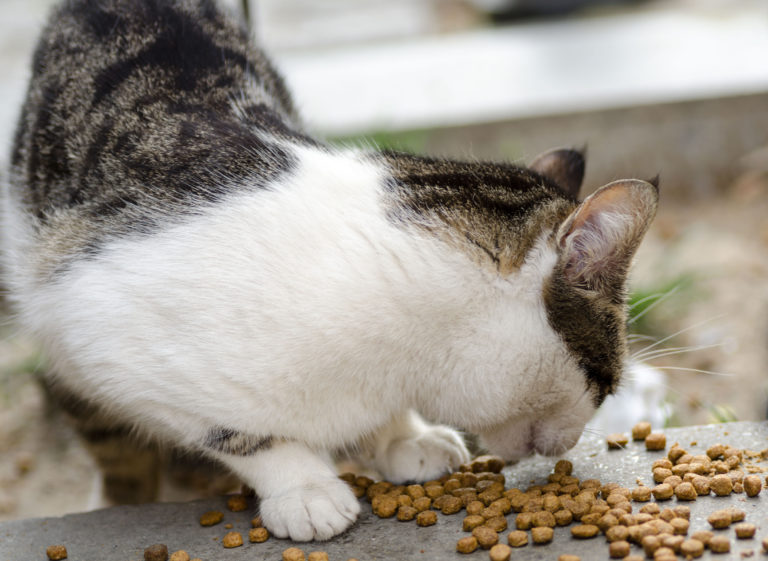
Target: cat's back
(144, 107)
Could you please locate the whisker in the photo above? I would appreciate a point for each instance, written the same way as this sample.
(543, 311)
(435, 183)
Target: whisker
(658, 301)
(685, 369)
(680, 332)
(670, 351)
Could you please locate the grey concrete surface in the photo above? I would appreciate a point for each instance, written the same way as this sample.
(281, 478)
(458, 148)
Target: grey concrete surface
(122, 533)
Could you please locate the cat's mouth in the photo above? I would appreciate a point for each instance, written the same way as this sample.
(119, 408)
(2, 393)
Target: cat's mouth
(518, 438)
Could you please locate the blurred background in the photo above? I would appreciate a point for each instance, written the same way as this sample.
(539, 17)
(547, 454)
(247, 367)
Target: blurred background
(677, 88)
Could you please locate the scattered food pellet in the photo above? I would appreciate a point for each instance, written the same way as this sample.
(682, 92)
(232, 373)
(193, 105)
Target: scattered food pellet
(618, 549)
(663, 492)
(752, 485)
(485, 536)
(692, 547)
(156, 552)
(721, 485)
(426, 518)
(641, 430)
(56, 552)
(467, 544)
(542, 535)
(500, 552)
(568, 557)
(232, 539)
(583, 531)
(317, 556)
(294, 554)
(616, 441)
(704, 536)
(563, 466)
(719, 544)
(179, 555)
(258, 535)
(685, 492)
(237, 503)
(211, 518)
(655, 441)
(719, 519)
(744, 530)
(517, 538)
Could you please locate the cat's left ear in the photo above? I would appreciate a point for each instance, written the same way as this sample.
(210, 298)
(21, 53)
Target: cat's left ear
(564, 166)
(600, 237)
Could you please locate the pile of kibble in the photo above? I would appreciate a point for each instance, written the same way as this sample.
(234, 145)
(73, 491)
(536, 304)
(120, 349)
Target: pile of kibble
(589, 507)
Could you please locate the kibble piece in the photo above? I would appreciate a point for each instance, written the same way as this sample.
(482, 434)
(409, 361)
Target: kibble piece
(655, 441)
(583, 531)
(719, 544)
(744, 530)
(156, 552)
(258, 535)
(406, 513)
(721, 485)
(685, 492)
(617, 533)
(752, 485)
(616, 441)
(500, 552)
(680, 526)
(497, 523)
(701, 484)
(663, 492)
(524, 521)
(426, 518)
(179, 555)
(542, 535)
(736, 514)
(664, 554)
(293, 554)
(641, 494)
(682, 511)
(563, 466)
(650, 544)
(543, 518)
(317, 556)
(641, 430)
(486, 537)
(672, 542)
(563, 517)
(237, 503)
(451, 505)
(471, 522)
(517, 538)
(211, 518)
(692, 548)
(384, 506)
(704, 536)
(467, 544)
(673, 481)
(719, 519)
(57, 552)
(434, 491)
(568, 557)
(423, 503)
(618, 549)
(232, 539)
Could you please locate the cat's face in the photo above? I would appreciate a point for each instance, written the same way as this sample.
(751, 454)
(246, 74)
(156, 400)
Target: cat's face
(575, 350)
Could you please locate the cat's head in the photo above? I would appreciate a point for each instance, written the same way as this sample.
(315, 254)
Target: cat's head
(582, 342)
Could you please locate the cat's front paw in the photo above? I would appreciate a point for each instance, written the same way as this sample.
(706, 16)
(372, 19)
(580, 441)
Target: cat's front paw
(423, 456)
(315, 510)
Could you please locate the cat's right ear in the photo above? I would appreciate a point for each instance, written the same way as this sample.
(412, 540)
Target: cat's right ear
(564, 166)
(600, 237)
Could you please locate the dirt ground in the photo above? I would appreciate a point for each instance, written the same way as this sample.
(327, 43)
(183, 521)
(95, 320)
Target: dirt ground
(709, 257)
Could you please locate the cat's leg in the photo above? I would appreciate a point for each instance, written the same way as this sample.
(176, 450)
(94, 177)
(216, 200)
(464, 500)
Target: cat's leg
(410, 449)
(301, 497)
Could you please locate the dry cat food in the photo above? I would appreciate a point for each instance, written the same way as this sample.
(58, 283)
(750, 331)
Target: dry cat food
(56, 552)
(294, 554)
(232, 539)
(258, 535)
(317, 556)
(180, 555)
(641, 430)
(467, 544)
(655, 441)
(156, 552)
(237, 503)
(617, 441)
(211, 518)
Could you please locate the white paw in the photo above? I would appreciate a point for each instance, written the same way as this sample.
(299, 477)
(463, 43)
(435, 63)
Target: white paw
(316, 510)
(424, 456)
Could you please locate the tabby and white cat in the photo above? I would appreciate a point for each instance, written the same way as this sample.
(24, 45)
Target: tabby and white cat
(203, 273)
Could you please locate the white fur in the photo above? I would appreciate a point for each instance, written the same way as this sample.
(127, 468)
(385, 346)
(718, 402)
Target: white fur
(303, 313)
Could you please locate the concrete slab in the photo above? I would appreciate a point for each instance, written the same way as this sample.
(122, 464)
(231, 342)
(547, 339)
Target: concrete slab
(122, 533)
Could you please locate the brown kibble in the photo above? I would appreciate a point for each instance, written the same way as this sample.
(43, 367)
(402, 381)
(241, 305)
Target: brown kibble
(662, 492)
(617, 533)
(641, 494)
(675, 453)
(682, 511)
(563, 517)
(641, 430)
(744, 530)
(719, 519)
(57, 552)
(423, 503)
(232, 539)
(237, 503)
(650, 544)
(434, 491)
(584, 531)
(543, 518)
(721, 485)
(685, 492)
(426, 518)
(211, 518)
(471, 522)
(673, 481)
(752, 485)
(542, 535)
(651, 509)
(406, 513)
(715, 451)
(736, 514)
(156, 552)
(701, 485)
(486, 537)
(568, 557)
(672, 542)
(563, 466)
(719, 544)
(293, 554)
(467, 544)
(692, 548)
(451, 505)
(517, 538)
(500, 552)
(475, 507)
(655, 441)
(384, 506)
(680, 526)
(524, 521)
(415, 491)
(317, 556)
(704, 536)
(618, 549)
(258, 535)
(257, 522)
(616, 441)
(497, 523)
(179, 555)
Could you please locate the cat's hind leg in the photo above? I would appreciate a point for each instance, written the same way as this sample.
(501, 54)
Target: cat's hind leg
(301, 497)
(410, 449)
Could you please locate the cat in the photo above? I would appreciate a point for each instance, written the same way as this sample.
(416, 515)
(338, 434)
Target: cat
(202, 272)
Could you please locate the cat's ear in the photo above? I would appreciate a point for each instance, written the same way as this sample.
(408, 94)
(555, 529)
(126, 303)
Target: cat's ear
(600, 237)
(564, 166)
